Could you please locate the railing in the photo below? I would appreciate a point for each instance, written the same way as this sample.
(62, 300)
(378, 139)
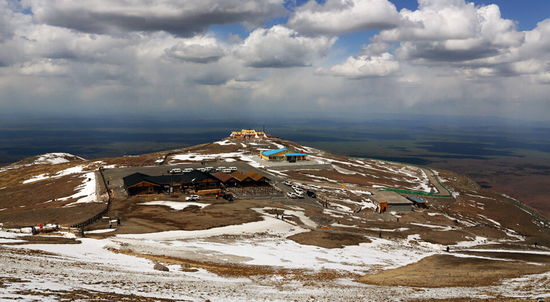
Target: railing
(99, 215)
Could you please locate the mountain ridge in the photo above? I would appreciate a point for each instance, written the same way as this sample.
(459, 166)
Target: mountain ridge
(341, 230)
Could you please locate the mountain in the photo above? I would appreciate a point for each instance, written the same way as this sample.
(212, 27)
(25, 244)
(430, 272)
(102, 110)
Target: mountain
(361, 236)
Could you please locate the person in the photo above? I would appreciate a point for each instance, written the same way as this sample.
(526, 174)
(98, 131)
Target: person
(535, 244)
(447, 249)
(118, 221)
(110, 224)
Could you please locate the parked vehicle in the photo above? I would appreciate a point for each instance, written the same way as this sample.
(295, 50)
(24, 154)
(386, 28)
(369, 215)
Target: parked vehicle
(192, 198)
(233, 168)
(218, 169)
(227, 170)
(288, 183)
(300, 195)
(291, 195)
(175, 170)
(202, 169)
(208, 169)
(299, 191)
(311, 194)
(188, 170)
(227, 197)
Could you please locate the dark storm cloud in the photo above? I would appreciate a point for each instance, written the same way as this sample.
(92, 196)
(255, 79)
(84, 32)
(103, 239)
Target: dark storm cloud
(439, 53)
(212, 79)
(183, 19)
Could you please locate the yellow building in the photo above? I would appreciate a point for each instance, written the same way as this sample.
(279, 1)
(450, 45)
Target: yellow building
(247, 133)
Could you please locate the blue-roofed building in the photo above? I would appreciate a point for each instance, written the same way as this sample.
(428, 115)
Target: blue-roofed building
(417, 201)
(282, 155)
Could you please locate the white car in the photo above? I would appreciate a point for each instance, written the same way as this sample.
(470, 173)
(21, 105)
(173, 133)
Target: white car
(175, 170)
(287, 183)
(298, 191)
(188, 170)
(192, 198)
(291, 195)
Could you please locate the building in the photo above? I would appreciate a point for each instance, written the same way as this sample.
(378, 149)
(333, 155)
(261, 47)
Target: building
(248, 134)
(418, 202)
(382, 205)
(226, 179)
(259, 179)
(195, 181)
(282, 155)
(244, 180)
(237, 178)
(393, 202)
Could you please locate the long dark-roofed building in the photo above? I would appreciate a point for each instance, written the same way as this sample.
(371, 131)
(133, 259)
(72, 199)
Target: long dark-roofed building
(226, 179)
(139, 183)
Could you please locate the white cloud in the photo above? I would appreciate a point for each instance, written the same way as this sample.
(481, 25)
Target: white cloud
(452, 31)
(445, 57)
(543, 78)
(363, 67)
(197, 50)
(336, 17)
(281, 47)
(43, 68)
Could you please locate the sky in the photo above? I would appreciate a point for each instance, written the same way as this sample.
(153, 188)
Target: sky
(249, 58)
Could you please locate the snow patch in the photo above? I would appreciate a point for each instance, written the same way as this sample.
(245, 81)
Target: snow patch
(174, 204)
(86, 191)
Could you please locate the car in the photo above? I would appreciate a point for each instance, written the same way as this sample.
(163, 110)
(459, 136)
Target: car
(300, 195)
(208, 169)
(287, 183)
(188, 170)
(202, 169)
(233, 168)
(227, 171)
(227, 197)
(218, 169)
(291, 195)
(175, 170)
(311, 194)
(295, 187)
(299, 191)
(192, 198)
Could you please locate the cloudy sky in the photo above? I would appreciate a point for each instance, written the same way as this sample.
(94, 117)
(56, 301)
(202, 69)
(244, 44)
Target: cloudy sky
(249, 58)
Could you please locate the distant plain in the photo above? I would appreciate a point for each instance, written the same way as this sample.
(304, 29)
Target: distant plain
(505, 156)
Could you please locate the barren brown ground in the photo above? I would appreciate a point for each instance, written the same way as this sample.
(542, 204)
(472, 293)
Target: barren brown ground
(328, 239)
(450, 271)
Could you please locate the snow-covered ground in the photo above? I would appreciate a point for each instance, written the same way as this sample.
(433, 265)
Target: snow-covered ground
(92, 265)
(47, 159)
(106, 265)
